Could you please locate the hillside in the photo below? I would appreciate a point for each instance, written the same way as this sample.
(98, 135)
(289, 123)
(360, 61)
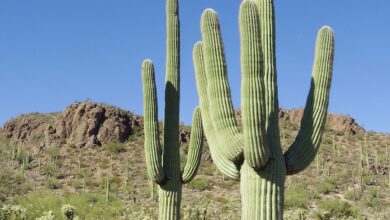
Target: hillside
(47, 160)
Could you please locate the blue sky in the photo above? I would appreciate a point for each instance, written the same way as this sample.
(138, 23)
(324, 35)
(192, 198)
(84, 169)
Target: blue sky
(53, 53)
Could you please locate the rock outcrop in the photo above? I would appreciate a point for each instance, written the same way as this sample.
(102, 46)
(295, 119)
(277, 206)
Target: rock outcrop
(338, 123)
(334, 122)
(83, 124)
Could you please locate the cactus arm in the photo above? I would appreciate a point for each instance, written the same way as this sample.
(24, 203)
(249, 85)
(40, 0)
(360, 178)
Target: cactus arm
(152, 143)
(267, 25)
(256, 152)
(304, 148)
(218, 90)
(226, 166)
(195, 148)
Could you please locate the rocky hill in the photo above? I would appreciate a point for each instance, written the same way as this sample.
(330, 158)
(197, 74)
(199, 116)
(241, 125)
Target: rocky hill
(83, 124)
(87, 124)
(47, 160)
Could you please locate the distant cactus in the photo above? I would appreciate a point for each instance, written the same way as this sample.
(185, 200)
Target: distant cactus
(163, 161)
(79, 160)
(255, 156)
(107, 182)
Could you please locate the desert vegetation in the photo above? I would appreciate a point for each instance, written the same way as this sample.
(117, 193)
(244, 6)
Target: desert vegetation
(337, 184)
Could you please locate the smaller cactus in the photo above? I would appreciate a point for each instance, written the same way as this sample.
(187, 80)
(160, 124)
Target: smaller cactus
(387, 154)
(366, 152)
(13, 212)
(69, 212)
(79, 160)
(107, 189)
(361, 180)
(84, 185)
(362, 156)
(389, 176)
(13, 153)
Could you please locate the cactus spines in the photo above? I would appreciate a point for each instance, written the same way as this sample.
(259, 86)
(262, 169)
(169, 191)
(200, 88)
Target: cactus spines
(255, 156)
(163, 161)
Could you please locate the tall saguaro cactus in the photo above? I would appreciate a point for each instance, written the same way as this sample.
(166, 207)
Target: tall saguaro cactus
(163, 162)
(255, 156)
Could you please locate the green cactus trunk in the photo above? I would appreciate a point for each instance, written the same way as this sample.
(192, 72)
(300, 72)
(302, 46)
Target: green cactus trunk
(262, 192)
(163, 162)
(170, 193)
(255, 156)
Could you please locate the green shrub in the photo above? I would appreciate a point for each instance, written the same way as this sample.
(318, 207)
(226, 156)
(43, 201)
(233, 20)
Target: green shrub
(12, 183)
(338, 209)
(88, 205)
(50, 170)
(53, 151)
(199, 184)
(222, 200)
(353, 195)
(115, 147)
(297, 197)
(373, 199)
(53, 184)
(324, 188)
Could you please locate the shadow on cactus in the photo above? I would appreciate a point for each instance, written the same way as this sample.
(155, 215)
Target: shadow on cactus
(255, 155)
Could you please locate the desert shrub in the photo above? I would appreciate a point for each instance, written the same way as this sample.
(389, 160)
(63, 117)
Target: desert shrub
(353, 195)
(325, 187)
(338, 209)
(199, 184)
(53, 151)
(50, 170)
(222, 200)
(104, 163)
(296, 214)
(297, 197)
(194, 213)
(227, 184)
(373, 199)
(326, 140)
(88, 205)
(52, 183)
(115, 147)
(207, 170)
(77, 184)
(12, 183)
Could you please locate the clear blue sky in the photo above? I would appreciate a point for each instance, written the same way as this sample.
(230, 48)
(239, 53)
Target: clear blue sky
(53, 53)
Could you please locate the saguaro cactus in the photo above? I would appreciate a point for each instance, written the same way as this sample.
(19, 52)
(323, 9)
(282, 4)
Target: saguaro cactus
(255, 156)
(163, 162)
